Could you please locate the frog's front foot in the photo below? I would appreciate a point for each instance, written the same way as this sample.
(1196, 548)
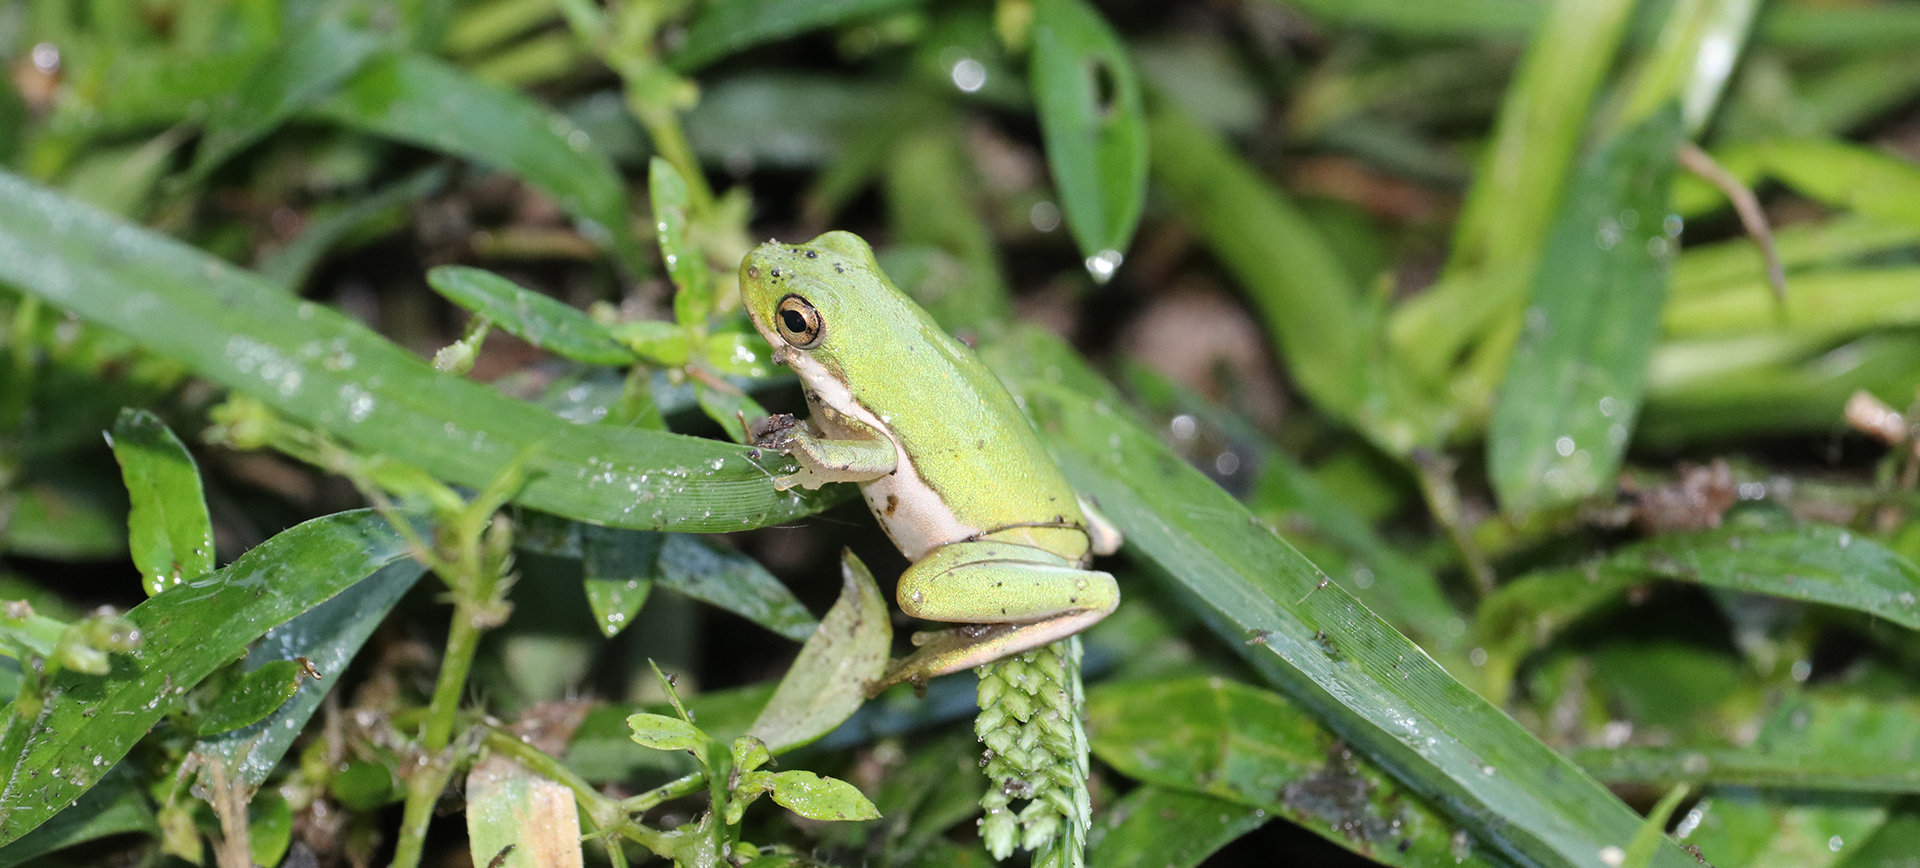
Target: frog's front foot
(776, 432)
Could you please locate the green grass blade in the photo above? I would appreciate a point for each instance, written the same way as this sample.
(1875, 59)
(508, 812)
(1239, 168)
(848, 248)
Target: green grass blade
(1474, 18)
(89, 722)
(417, 99)
(115, 807)
(1517, 190)
(168, 528)
(1825, 305)
(734, 582)
(729, 26)
(304, 67)
(686, 264)
(1092, 124)
(317, 366)
(1253, 748)
(543, 321)
(1371, 685)
(1574, 382)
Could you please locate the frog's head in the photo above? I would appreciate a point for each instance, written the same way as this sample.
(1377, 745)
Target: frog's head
(802, 297)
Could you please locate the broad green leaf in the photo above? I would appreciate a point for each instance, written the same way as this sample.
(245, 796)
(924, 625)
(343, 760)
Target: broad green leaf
(1897, 838)
(828, 681)
(1574, 383)
(734, 582)
(1254, 748)
(251, 698)
(661, 732)
(115, 807)
(89, 722)
(168, 527)
(289, 266)
(538, 319)
(322, 368)
(309, 62)
(417, 99)
(1365, 682)
(729, 26)
(818, 798)
(1157, 827)
(1505, 218)
(1093, 127)
(618, 567)
(693, 303)
(329, 635)
(1742, 828)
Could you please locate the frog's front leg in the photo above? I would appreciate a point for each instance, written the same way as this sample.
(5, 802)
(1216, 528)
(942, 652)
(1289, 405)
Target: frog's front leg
(1009, 598)
(853, 451)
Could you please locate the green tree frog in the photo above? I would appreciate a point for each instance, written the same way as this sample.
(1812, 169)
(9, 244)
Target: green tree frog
(999, 542)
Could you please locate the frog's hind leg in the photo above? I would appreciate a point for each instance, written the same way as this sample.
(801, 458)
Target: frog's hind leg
(1009, 598)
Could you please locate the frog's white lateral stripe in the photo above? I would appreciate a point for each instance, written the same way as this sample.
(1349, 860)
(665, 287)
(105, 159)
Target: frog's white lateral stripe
(920, 521)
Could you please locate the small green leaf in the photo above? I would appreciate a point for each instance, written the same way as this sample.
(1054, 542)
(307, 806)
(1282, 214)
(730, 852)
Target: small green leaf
(685, 263)
(1574, 382)
(168, 528)
(269, 827)
(818, 798)
(1093, 126)
(736, 25)
(750, 753)
(538, 319)
(751, 786)
(731, 409)
(619, 567)
(365, 785)
(659, 342)
(740, 354)
(828, 680)
(661, 732)
(252, 697)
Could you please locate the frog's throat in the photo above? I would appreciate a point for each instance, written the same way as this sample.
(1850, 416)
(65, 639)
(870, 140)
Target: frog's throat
(908, 508)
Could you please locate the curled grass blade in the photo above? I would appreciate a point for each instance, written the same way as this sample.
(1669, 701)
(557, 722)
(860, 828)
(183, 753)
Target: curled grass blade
(545, 322)
(316, 365)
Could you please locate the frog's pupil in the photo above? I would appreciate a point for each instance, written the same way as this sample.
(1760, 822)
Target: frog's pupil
(794, 321)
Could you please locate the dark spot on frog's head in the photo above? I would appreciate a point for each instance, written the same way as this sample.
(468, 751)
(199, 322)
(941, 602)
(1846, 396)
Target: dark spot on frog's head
(813, 254)
(776, 272)
(839, 269)
(980, 444)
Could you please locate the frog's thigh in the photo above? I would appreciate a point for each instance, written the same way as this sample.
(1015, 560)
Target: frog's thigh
(1001, 583)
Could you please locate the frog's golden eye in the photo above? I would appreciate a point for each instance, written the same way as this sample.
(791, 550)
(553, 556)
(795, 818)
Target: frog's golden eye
(800, 323)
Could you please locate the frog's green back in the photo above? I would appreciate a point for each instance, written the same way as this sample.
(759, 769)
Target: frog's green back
(969, 438)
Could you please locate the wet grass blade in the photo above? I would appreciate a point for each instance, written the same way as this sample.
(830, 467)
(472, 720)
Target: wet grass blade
(736, 25)
(115, 807)
(417, 99)
(1253, 748)
(87, 723)
(545, 322)
(734, 582)
(320, 367)
(1093, 126)
(1574, 383)
(168, 528)
(1358, 676)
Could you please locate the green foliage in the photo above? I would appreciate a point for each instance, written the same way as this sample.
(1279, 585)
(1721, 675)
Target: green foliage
(1414, 309)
